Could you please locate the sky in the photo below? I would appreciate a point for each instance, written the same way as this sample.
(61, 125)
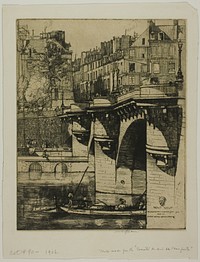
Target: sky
(86, 34)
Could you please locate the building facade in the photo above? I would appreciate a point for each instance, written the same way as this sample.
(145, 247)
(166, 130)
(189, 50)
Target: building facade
(127, 62)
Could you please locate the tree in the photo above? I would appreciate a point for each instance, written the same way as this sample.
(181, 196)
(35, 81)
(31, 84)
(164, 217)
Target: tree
(37, 93)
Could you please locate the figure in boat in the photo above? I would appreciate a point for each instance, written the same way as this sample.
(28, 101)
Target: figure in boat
(70, 202)
(122, 204)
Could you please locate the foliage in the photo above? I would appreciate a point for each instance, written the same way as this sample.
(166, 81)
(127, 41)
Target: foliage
(37, 92)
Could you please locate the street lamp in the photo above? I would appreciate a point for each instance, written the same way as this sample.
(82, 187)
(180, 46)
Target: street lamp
(115, 90)
(62, 103)
(179, 76)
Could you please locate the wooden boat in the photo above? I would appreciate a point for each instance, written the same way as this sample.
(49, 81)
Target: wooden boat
(103, 212)
(47, 209)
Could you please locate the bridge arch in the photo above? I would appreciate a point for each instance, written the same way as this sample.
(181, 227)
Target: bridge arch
(60, 171)
(35, 171)
(152, 140)
(138, 141)
(132, 146)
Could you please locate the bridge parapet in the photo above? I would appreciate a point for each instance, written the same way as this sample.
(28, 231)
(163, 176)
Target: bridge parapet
(148, 91)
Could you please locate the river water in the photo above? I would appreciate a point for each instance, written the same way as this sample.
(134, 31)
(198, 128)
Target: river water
(32, 198)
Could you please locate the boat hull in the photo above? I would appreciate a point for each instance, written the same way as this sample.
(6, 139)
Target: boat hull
(104, 213)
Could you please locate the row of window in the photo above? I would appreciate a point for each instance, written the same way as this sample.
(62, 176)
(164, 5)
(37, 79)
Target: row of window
(131, 79)
(104, 69)
(163, 51)
(155, 68)
(106, 83)
(154, 36)
(94, 75)
(99, 63)
(132, 53)
(94, 65)
(103, 60)
(160, 36)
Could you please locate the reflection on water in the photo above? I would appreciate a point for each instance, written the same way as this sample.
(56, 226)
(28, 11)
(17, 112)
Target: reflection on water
(33, 198)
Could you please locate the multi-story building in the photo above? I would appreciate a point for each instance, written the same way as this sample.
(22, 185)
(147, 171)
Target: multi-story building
(127, 62)
(97, 70)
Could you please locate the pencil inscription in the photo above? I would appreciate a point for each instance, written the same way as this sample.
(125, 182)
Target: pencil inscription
(136, 249)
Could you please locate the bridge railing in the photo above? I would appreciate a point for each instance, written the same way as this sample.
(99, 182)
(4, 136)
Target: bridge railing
(148, 91)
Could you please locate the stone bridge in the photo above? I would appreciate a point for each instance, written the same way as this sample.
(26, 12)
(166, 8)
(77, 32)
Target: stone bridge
(136, 145)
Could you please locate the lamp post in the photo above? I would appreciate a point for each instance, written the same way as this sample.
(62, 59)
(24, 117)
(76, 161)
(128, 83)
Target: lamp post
(115, 90)
(62, 103)
(179, 76)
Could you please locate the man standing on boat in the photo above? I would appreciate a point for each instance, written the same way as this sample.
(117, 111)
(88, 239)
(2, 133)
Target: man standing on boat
(85, 202)
(70, 197)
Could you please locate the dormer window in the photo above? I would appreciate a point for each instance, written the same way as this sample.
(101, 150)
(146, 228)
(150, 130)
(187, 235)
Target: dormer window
(152, 36)
(161, 36)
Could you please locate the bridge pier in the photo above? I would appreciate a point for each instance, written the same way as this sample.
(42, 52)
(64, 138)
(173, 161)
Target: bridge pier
(80, 136)
(180, 188)
(164, 173)
(104, 172)
(136, 150)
